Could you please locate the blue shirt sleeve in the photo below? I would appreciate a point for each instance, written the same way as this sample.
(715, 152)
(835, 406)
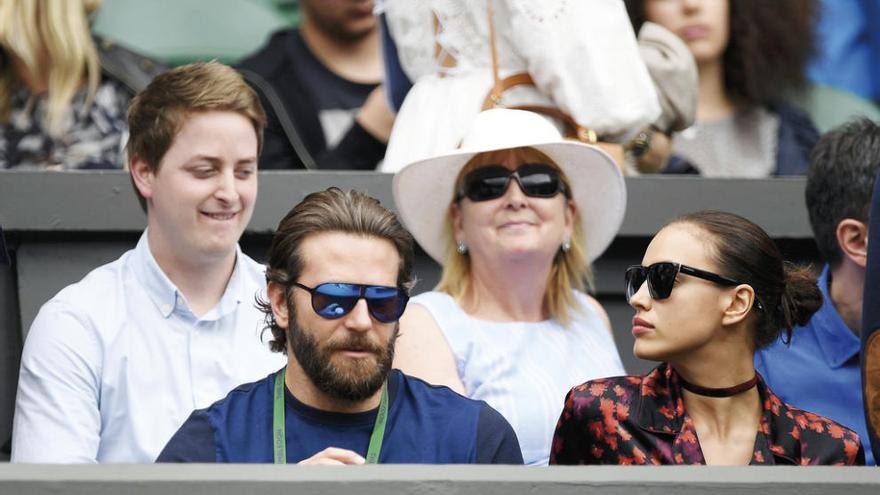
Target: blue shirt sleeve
(496, 440)
(397, 84)
(871, 311)
(193, 442)
(871, 324)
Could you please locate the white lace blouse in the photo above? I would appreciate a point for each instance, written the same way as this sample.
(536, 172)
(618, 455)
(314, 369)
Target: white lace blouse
(582, 54)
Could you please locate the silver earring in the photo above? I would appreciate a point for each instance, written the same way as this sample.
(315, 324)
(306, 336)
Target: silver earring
(566, 245)
(461, 248)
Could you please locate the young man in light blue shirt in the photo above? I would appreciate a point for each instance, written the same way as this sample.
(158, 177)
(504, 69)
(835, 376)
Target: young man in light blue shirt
(115, 363)
(819, 369)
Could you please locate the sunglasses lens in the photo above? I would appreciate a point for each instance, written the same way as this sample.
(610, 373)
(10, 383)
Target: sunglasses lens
(333, 301)
(661, 278)
(635, 277)
(386, 303)
(487, 183)
(535, 179)
(539, 180)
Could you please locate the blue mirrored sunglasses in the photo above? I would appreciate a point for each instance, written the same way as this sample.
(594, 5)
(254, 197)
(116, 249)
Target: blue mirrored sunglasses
(332, 300)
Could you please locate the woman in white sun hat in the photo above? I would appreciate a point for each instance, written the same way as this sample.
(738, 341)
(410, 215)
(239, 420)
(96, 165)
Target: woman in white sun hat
(515, 216)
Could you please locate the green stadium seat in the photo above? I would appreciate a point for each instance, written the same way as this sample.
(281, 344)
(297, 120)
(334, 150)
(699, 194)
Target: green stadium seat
(182, 31)
(289, 9)
(830, 107)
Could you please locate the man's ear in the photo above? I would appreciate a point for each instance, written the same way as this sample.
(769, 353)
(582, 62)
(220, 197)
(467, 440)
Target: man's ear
(852, 237)
(142, 176)
(278, 299)
(741, 302)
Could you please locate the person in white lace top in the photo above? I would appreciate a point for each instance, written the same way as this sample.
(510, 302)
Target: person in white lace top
(515, 217)
(581, 55)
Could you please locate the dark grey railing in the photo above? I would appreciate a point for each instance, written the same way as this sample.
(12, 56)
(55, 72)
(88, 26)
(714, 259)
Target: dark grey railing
(436, 480)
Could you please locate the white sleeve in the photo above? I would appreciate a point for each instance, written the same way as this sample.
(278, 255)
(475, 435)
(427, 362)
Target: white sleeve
(584, 55)
(57, 417)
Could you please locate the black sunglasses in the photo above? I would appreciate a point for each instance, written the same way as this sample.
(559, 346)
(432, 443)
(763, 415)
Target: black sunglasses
(334, 300)
(536, 180)
(661, 278)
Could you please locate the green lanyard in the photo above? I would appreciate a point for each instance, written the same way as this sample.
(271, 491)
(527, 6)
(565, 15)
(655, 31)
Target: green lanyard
(278, 427)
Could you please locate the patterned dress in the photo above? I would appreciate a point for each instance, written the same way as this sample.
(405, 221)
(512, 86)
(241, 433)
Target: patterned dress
(94, 136)
(642, 420)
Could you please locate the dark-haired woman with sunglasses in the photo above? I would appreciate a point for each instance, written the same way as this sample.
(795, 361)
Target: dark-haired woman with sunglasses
(515, 217)
(711, 289)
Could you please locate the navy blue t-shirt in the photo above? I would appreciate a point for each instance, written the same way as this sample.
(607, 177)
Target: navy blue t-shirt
(427, 424)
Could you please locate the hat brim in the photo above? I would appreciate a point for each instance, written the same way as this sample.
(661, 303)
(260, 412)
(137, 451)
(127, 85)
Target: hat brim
(423, 192)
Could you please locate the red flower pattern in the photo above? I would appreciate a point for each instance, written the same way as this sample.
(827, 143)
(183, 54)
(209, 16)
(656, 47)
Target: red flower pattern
(642, 420)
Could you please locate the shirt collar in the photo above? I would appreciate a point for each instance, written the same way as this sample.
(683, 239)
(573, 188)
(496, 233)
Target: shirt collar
(159, 287)
(837, 342)
(167, 297)
(661, 410)
(234, 294)
(779, 426)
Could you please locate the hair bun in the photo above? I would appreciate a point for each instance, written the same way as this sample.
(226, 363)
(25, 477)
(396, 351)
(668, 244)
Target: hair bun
(801, 297)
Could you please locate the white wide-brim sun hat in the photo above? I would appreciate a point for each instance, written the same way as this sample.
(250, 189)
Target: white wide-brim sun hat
(423, 190)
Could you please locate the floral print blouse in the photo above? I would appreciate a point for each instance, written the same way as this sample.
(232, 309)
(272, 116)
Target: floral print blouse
(94, 135)
(642, 420)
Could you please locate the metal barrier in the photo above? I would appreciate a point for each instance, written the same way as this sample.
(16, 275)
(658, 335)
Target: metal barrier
(201, 479)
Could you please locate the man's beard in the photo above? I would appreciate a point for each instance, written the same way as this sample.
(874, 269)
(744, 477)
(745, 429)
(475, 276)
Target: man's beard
(359, 379)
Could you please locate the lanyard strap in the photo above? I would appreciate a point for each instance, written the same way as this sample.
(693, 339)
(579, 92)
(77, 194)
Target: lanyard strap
(278, 427)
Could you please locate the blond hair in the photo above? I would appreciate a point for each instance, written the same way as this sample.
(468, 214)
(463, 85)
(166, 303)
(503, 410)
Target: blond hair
(570, 270)
(52, 41)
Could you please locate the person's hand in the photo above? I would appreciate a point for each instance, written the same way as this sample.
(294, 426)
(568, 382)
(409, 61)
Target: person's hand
(332, 456)
(375, 116)
(658, 153)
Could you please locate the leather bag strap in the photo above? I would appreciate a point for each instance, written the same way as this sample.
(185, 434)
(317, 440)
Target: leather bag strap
(573, 130)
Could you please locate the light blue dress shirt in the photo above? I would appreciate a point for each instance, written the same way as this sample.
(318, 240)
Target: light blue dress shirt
(819, 372)
(116, 362)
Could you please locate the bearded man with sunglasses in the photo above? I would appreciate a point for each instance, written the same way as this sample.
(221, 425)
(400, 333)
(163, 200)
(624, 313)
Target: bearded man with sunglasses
(339, 272)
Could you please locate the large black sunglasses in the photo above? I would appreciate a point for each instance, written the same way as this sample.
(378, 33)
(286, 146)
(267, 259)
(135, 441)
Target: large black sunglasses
(537, 180)
(661, 278)
(334, 300)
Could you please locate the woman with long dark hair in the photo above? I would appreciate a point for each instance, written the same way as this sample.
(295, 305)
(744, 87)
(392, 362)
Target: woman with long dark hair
(750, 56)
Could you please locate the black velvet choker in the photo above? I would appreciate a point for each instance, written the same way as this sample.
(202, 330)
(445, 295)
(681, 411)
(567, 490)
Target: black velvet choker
(719, 392)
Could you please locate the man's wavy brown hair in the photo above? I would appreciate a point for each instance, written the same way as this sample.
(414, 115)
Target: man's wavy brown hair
(332, 210)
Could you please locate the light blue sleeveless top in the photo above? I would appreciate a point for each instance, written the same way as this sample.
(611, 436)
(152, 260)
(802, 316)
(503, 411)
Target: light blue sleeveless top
(524, 369)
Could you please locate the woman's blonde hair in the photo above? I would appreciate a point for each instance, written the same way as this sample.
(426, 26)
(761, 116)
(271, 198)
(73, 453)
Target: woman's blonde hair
(570, 269)
(51, 38)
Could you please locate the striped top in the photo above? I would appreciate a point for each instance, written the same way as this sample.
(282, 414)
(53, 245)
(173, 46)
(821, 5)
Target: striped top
(522, 369)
